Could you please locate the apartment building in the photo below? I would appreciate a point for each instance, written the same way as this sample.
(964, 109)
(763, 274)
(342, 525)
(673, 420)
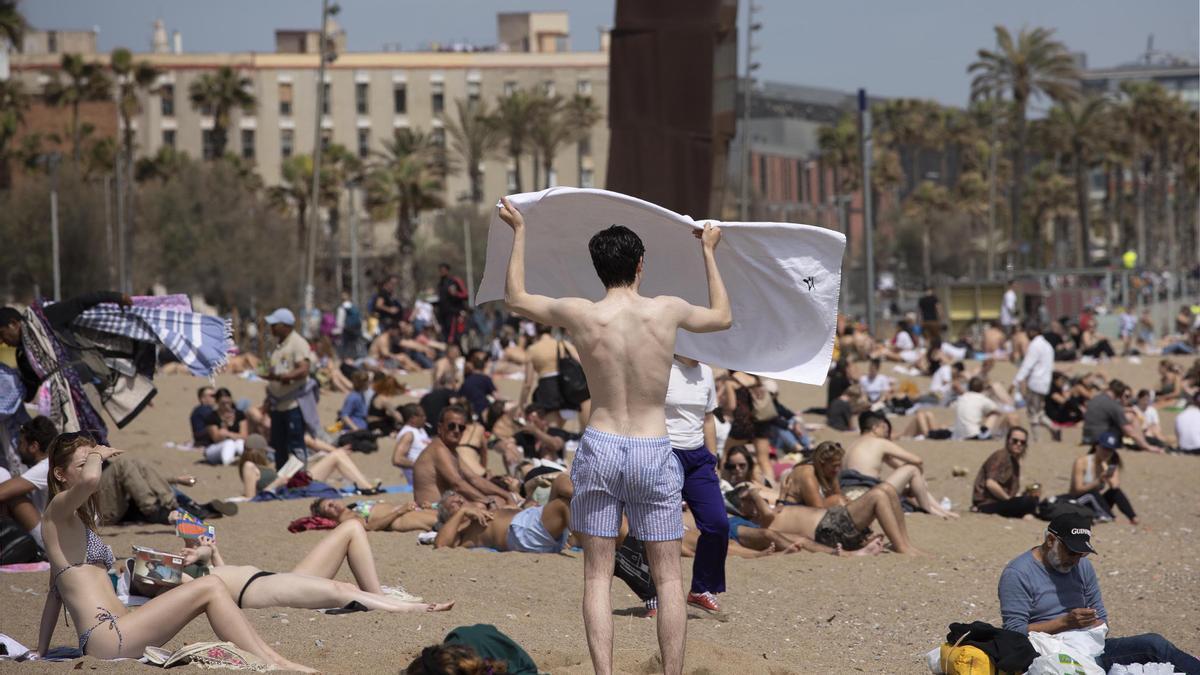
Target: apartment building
(368, 95)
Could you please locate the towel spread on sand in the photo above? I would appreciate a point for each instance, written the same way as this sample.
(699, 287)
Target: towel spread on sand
(783, 279)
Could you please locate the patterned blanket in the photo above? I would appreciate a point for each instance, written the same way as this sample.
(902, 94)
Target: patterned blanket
(200, 342)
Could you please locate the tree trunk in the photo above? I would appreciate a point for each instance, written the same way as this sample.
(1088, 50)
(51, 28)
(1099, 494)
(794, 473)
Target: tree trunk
(926, 257)
(1083, 239)
(516, 159)
(547, 167)
(76, 139)
(1018, 179)
(1166, 226)
(406, 248)
(1139, 205)
(537, 165)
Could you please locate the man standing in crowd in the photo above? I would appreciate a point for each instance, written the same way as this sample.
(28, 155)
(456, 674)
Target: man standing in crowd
(1035, 373)
(625, 463)
(1008, 309)
(1054, 588)
(384, 304)
(451, 302)
(931, 315)
(287, 379)
(999, 480)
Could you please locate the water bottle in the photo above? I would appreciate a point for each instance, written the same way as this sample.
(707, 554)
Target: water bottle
(945, 504)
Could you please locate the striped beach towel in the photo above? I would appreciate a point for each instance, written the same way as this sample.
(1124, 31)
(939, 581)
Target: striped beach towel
(200, 342)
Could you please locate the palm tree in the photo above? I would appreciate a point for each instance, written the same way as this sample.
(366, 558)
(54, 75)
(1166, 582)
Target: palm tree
(85, 82)
(1077, 125)
(12, 24)
(840, 151)
(1034, 65)
(473, 139)
(132, 79)
(914, 126)
(166, 164)
(294, 192)
(928, 205)
(407, 179)
(220, 93)
(1052, 196)
(513, 119)
(13, 104)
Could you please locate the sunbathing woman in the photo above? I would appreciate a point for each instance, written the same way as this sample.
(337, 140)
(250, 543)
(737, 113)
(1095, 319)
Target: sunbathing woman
(77, 580)
(258, 474)
(377, 514)
(310, 584)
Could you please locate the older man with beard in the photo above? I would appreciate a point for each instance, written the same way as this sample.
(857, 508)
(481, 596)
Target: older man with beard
(1053, 588)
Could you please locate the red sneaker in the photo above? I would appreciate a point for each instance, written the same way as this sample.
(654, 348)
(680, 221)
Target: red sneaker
(706, 601)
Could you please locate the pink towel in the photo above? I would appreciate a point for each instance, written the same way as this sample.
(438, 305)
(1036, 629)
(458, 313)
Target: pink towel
(25, 567)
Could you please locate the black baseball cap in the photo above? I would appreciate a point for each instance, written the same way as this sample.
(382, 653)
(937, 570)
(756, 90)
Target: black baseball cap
(1074, 531)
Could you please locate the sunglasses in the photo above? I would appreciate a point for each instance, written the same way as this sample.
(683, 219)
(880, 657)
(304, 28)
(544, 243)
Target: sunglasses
(1018, 441)
(455, 426)
(730, 466)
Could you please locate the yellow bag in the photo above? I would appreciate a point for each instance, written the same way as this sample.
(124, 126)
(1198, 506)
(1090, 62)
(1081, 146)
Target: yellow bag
(965, 660)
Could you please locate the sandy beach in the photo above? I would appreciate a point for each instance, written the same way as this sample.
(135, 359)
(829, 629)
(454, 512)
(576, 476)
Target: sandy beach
(801, 613)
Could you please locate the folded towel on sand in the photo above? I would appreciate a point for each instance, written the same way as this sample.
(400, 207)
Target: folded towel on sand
(783, 279)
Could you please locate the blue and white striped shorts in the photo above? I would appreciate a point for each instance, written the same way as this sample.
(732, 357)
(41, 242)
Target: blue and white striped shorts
(640, 476)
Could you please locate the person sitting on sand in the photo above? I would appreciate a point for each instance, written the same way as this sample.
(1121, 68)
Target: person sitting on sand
(439, 469)
(259, 476)
(226, 428)
(1096, 477)
(842, 410)
(814, 482)
(846, 527)
(377, 515)
(1053, 588)
(999, 480)
(310, 584)
(539, 529)
(78, 580)
(353, 414)
(977, 417)
(864, 466)
(411, 440)
(739, 469)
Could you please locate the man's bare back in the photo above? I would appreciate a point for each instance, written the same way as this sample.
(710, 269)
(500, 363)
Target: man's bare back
(428, 486)
(866, 455)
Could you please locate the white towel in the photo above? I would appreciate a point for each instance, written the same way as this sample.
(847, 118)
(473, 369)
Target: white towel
(783, 279)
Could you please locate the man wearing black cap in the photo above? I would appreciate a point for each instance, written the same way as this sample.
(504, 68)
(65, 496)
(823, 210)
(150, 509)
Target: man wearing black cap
(1053, 588)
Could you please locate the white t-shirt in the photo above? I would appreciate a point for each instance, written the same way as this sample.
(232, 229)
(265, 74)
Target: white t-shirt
(874, 388)
(691, 393)
(38, 474)
(903, 341)
(1187, 428)
(419, 441)
(1008, 308)
(942, 379)
(969, 412)
(1150, 416)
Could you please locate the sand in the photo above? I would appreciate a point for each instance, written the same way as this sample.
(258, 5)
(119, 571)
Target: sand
(799, 613)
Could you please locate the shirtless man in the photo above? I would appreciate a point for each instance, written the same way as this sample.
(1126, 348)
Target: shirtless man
(438, 468)
(538, 529)
(624, 463)
(866, 457)
(845, 527)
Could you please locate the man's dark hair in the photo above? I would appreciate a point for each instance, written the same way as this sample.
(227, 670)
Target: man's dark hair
(1033, 327)
(443, 266)
(40, 430)
(535, 408)
(868, 420)
(222, 393)
(543, 329)
(958, 367)
(1008, 436)
(616, 253)
(200, 392)
(1118, 388)
(9, 315)
(975, 384)
(876, 362)
(409, 411)
(453, 409)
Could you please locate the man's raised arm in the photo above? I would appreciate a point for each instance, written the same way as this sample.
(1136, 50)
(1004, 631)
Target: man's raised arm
(540, 308)
(717, 316)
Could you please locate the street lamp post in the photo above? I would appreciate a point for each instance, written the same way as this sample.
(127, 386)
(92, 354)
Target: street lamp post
(52, 161)
(748, 83)
(310, 265)
(864, 114)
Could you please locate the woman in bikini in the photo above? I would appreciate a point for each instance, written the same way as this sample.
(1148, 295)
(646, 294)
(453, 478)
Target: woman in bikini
(258, 473)
(737, 396)
(815, 482)
(107, 630)
(310, 584)
(377, 514)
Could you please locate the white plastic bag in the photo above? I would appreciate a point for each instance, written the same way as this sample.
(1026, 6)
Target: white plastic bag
(1144, 669)
(934, 660)
(1068, 653)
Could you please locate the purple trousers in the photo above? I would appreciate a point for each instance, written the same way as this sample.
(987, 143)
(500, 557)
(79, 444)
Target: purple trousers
(702, 492)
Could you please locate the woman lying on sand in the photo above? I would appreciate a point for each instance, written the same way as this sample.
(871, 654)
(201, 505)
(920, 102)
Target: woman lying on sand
(310, 584)
(376, 514)
(77, 580)
(258, 474)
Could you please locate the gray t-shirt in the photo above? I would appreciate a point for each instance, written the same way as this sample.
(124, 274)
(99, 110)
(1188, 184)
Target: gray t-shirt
(1030, 592)
(1103, 414)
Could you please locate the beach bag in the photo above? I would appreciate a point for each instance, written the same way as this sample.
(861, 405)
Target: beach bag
(632, 567)
(572, 383)
(362, 441)
(16, 546)
(352, 321)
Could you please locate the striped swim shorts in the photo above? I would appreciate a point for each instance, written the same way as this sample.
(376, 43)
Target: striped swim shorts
(640, 476)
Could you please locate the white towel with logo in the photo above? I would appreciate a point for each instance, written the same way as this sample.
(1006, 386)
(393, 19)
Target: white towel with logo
(783, 279)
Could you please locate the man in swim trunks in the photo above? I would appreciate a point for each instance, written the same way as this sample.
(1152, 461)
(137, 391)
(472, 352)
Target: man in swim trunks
(438, 469)
(538, 529)
(624, 463)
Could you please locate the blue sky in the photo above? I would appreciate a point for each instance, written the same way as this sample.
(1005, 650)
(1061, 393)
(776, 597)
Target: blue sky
(917, 48)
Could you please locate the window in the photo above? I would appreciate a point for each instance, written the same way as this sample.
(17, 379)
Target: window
(285, 99)
(473, 95)
(325, 102)
(206, 141)
(168, 138)
(400, 98)
(510, 87)
(166, 95)
(585, 146)
(247, 144)
(583, 87)
(326, 139)
(364, 142)
(286, 139)
(586, 178)
(361, 93)
(439, 98)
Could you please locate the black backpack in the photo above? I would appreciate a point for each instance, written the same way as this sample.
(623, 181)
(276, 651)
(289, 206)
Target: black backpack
(16, 546)
(571, 380)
